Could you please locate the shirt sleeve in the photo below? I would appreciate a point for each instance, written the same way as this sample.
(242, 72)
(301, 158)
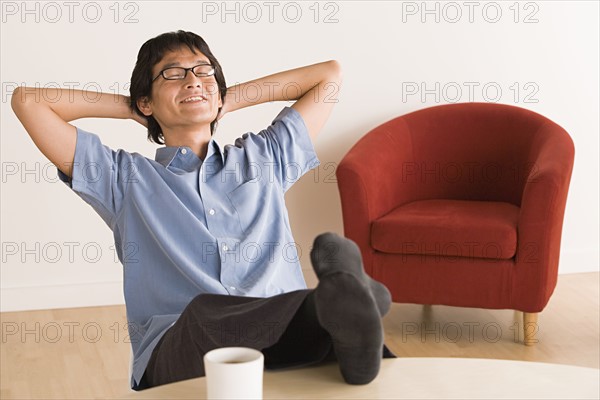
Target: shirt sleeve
(289, 146)
(100, 175)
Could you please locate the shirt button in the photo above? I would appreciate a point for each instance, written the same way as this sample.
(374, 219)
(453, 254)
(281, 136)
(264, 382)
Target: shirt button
(183, 151)
(212, 212)
(225, 248)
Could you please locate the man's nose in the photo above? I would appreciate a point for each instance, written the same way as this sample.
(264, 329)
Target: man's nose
(192, 80)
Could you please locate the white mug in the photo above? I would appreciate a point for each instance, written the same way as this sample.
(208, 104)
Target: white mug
(234, 373)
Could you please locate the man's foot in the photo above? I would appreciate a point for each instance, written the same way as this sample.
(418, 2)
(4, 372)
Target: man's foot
(333, 253)
(347, 308)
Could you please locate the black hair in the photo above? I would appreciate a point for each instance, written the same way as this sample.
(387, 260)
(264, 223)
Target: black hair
(150, 54)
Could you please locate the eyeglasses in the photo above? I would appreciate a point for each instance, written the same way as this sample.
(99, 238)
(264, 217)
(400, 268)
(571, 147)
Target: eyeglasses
(178, 73)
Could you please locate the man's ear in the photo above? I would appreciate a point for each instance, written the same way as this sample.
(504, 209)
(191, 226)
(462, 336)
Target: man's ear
(143, 104)
(214, 88)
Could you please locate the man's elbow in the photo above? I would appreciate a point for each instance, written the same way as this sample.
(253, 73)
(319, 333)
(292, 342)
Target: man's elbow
(335, 70)
(15, 99)
(18, 99)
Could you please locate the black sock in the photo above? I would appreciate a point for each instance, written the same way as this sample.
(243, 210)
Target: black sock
(347, 308)
(333, 253)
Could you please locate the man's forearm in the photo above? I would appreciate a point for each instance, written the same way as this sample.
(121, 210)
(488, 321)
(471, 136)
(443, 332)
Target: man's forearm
(282, 86)
(71, 104)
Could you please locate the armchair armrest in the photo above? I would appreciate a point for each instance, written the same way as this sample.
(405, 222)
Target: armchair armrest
(541, 217)
(370, 180)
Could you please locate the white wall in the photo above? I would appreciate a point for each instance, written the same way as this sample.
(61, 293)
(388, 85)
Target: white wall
(51, 238)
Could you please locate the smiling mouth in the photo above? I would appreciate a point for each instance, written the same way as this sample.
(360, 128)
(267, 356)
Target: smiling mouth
(194, 99)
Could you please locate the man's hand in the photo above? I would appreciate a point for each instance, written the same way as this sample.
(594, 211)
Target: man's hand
(135, 116)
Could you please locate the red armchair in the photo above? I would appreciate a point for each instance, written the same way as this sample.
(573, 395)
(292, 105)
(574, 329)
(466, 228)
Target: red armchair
(461, 205)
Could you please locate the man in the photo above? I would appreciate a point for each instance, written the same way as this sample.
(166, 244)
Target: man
(202, 231)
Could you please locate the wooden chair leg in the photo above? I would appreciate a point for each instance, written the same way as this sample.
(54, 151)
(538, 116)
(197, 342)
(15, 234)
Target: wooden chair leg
(530, 328)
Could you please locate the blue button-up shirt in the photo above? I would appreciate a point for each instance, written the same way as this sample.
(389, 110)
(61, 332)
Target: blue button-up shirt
(185, 226)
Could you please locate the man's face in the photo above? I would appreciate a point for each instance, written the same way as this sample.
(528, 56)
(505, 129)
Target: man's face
(168, 104)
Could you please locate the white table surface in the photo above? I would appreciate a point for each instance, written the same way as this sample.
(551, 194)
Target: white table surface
(404, 378)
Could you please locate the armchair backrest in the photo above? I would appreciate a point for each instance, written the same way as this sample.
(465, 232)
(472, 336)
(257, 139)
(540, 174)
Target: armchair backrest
(468, 151)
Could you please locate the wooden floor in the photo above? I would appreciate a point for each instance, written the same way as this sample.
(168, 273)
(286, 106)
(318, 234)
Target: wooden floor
(84, 352)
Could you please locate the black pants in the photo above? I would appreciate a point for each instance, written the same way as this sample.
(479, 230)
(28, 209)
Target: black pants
(284, 327)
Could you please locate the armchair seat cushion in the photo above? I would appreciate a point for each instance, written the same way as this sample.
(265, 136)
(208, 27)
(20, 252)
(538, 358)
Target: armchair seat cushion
(449, 228)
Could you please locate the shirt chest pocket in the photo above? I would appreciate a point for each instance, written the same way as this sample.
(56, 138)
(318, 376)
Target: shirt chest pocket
(251, 201)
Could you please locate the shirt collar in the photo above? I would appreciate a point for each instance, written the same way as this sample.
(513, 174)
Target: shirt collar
(166, 155)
